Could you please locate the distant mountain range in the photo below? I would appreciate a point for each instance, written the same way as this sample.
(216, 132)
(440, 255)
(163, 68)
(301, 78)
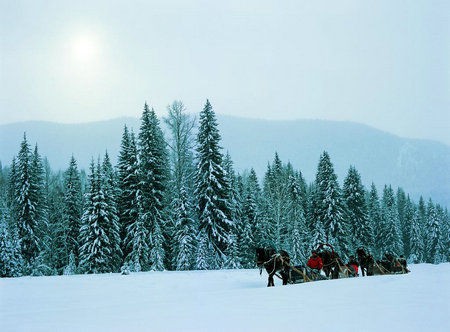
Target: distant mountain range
(420, 167)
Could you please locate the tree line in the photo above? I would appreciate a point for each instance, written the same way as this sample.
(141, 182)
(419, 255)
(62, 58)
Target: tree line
(175, 202)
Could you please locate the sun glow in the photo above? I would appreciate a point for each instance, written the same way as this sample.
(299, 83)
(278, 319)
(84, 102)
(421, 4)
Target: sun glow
(85, 49)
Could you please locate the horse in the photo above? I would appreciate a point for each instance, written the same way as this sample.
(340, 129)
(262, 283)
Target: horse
(332, 263)
(273, 262)
(365, 261)
(390, 264)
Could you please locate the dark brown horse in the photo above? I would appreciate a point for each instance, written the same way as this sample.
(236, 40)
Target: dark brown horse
(275, 264)
(333, 266)
(390, 264)
(365, 261)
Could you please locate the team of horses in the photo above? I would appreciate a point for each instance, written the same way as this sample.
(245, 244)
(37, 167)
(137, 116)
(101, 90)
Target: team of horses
(279, 264)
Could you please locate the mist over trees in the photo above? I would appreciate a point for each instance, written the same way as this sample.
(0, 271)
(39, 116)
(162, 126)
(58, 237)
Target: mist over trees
(175, 202)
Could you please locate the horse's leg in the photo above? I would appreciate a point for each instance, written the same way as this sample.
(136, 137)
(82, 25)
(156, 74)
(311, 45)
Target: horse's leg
(271, 283)
(335, 273)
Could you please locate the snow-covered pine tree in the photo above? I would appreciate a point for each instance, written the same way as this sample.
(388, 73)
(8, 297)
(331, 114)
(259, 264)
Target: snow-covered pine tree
(299, 248)
(403, 221)
(432, 235)
(109, 185)
(331, 207)
(10, 252)
(251, 229)
(211, 188)
(153, 166)
(157, 253)
(71, 267)
(73, 207)
(135, 241)
(27, 207)
(277, 204)
(39, 190)
(416, 241)
(58, 230)
(389, 231)
(125, 196)
(409, 214)
(445, 234)
(374, 210)
(361, 232)
(267, 227)
(315, 225)
(11, 192)
(185, 231)
(423, 222)
(95, 251)
(204, 253)
(233, 259)
(138, 241)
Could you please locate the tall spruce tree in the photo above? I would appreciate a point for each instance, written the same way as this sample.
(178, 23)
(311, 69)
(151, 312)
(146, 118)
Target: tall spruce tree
(423, 221)
(331, 207)
(109, 185)
(39, 188)
(432, 234)
(416, 241)
(211, 188)
(404, 225)
(298, 228)
(315, 225)
(10, 253)
(95, 250)
(268, 227)
(27, 206)
(134, 235)
(154, 176)
(356, 211)
(233, 260)
(277, 203)
(184, 233)
(124, 196)
(251, 212)
(73, 208)
(374, 209)
(409, 214)
(58, 230)
(445, 235)
(390, 224)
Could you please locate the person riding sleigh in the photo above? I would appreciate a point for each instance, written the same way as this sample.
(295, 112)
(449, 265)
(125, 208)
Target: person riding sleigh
(353, 264)
(315, 262)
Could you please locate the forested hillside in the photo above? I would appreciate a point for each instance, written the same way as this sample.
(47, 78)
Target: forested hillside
(420, 167)
(175, 201)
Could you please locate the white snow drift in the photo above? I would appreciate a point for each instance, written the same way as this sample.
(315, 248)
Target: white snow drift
(226, 300)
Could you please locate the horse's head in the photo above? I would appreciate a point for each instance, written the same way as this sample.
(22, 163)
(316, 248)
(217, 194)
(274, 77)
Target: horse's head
(284, 253)
(260, 253)
(360, 252)
(325, 255)
(263, 255)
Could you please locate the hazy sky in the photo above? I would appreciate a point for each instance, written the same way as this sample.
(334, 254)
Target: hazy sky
(384, 63)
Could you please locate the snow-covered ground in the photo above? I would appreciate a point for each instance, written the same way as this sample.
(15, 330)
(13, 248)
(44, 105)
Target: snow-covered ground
(227, 300)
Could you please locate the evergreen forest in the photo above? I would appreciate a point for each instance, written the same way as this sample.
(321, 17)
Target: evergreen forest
(174, 201)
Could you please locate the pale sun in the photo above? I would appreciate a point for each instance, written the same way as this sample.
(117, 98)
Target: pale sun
(85, 49)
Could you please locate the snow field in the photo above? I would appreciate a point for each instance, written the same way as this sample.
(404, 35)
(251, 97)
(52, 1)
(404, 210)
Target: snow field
(226, 300)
